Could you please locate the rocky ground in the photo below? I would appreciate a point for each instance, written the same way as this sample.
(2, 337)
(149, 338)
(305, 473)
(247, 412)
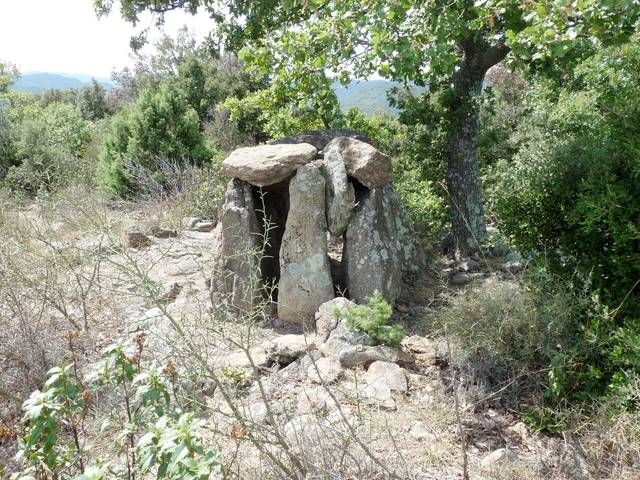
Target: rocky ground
(348, 409)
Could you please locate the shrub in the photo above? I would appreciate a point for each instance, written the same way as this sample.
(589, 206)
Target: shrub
(428, 210)
(49, 148)
(573, 193)
(153, 436)
(160, 124)
(373, 319)
(533, 345)
(7, 148)
(573, 190)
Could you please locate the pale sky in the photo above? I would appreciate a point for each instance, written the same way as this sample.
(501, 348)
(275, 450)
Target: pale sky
(65, 36)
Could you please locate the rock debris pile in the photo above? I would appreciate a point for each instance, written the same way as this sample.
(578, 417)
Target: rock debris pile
(306, 219)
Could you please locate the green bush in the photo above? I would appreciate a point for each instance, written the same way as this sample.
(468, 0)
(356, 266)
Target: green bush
(373, 319)
(7, 147)
(572, 194)
(573, 190)
(49, 147)
(152, 435)
(160, 125)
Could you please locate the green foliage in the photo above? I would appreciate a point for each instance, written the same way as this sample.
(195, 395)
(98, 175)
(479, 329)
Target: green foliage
(7, 146)
(281, 110)
(384, 130)
(92, 101)
(43, 447)
(8, 75)
(573, 189)
(572, 193)
(153, 436)
(373, 319)
(49, 144)
(428, 210)
(161, 124)
(421, 195)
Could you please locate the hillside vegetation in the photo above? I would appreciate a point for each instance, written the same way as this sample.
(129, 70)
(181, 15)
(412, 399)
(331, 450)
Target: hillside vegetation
(513, 352)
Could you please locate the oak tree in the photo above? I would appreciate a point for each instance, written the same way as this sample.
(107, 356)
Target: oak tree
(442, 44)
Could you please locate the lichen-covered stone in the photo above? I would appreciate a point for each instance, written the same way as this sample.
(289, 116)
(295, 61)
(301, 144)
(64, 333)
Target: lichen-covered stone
(236, 276)
(380, 246)
(340, 194)
(326, 319)
(363, 162)
(267, 164)
(305, 273)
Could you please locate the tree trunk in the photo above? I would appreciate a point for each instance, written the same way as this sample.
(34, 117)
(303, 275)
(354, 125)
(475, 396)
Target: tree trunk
(463, 169)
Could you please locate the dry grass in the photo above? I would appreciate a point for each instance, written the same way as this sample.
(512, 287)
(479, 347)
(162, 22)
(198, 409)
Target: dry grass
(62, 267)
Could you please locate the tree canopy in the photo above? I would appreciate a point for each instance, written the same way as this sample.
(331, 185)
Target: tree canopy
(304, 46)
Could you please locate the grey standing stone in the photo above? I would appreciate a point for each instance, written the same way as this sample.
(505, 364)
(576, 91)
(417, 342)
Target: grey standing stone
(340, 194)
(305, 273)
(380, 246)
(236, 276)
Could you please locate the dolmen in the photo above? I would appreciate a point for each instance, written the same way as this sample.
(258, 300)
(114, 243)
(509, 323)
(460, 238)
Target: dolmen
(308, 217)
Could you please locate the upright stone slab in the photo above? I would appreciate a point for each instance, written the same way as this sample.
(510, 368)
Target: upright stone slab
(305, 274)
(380, 246)
(340, 195)
(236, 269)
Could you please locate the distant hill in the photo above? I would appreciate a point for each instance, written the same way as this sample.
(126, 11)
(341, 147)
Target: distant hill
(37, 82)
(370, 96)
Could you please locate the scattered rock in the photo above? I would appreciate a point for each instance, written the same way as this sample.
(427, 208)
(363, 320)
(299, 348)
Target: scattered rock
(353, 356)
(171, 293)
(305, 273)
(389, 373)
(133, 237)
(189, 222)
(333, 347)
(380, 246)
(363, 162)
(460, 278)
(498, 457)
(513, 267)
(145, 320)
(499, 249)
(313, 400)
(267, 164)
(469, 265)
(236, 262)
(161, 232)
(325, 370)
(295, 429)
(421, 348)
(205, 226)
(379, 393)
(419, 431)
(287, 348)
(239, 358)
(257, 413)
(99, 244)
(326, 320)
(340, 194)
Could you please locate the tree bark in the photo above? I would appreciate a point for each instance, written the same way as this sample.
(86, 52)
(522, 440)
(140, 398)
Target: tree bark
(463, 169)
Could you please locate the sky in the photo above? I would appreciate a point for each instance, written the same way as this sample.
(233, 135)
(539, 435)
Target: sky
(65, 36)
